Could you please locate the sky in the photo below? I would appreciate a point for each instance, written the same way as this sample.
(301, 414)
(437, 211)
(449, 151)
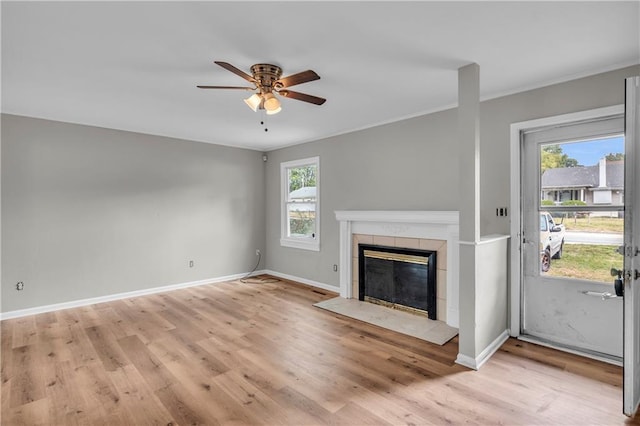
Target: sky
(590, 152)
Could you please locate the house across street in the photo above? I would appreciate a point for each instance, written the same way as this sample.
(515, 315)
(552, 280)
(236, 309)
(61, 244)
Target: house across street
(602, 184)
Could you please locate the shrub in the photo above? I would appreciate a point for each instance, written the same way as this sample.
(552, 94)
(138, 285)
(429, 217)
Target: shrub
(574, 203)
(547, 203)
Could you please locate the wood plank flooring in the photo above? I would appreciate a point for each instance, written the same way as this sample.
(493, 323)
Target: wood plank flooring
(260, 353)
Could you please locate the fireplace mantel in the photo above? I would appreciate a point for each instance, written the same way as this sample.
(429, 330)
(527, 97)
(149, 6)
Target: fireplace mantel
(438, 225)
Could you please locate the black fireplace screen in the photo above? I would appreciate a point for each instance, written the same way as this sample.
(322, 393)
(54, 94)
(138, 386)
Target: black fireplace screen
(398, 276)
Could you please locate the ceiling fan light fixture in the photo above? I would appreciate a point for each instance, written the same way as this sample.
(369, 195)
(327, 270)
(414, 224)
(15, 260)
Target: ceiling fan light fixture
(275, 111)
(271, 103)
(253, 101)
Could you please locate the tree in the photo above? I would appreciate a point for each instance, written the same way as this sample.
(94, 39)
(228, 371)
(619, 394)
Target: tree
(302, 176)
(615, 156)
(552, 157)
(571, 162)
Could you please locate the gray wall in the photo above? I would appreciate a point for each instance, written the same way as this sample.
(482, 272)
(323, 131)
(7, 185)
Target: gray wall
(88, 212)
(413, 165)
(409, 165)
(496, 116)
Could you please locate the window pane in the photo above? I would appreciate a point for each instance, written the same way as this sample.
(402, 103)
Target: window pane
(301, 218)
(543, 223)
(300, 204)
(589, 245)
(582, 173)
(302, 182)
(584, 176)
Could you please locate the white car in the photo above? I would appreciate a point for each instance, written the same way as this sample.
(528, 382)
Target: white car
(551, 240)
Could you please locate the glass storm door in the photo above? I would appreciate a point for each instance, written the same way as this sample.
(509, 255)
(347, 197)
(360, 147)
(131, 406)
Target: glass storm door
(573, 223)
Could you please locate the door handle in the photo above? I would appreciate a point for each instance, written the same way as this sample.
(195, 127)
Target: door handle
(618, 285)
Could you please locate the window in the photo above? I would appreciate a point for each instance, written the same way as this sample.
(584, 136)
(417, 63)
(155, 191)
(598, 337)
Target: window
(543, 223)
(581, 165)
(300, 204)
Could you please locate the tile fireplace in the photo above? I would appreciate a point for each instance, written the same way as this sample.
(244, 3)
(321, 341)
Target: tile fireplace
(431, 231)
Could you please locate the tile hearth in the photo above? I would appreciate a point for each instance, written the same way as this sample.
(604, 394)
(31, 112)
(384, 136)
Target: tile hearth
(417, 326)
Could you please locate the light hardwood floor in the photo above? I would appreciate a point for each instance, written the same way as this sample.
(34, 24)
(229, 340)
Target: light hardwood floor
(260, 353)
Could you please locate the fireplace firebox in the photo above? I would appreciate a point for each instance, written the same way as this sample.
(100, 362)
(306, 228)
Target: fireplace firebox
(401, 278)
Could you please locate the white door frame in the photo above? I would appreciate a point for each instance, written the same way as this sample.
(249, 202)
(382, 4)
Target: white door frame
(631, 380)
(515, 303)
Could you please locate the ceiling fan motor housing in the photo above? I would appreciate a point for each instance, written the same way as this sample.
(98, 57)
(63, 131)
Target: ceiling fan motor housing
(266, 75)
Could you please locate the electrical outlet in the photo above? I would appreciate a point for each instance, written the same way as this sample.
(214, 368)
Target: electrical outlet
(257, 252)
(20, 286)
(191, 264)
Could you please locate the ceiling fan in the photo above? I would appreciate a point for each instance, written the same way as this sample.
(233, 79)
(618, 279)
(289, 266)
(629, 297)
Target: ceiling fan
(267, 82)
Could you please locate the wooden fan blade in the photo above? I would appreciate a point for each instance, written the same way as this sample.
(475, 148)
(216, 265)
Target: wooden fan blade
(302, 97)
(227, 66)
(226, 87)
(299, 78)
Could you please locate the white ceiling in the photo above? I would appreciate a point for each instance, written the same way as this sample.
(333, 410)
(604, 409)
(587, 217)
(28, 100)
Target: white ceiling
(134, 66)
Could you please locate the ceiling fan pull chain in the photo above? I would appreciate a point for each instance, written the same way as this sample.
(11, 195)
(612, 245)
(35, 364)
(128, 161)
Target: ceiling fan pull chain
(263, 121)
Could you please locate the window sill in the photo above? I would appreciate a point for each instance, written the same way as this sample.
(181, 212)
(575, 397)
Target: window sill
(312, 245)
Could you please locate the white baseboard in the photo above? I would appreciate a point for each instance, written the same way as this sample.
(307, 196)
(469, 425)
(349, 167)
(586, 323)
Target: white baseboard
(332, 288)
(118, 296)
(466, 361)
(477, 362)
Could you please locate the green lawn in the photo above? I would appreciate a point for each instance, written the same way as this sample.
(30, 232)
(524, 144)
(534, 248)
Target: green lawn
(585, 261)
(594, 224)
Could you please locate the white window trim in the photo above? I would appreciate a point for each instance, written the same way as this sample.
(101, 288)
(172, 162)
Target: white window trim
(293, 242)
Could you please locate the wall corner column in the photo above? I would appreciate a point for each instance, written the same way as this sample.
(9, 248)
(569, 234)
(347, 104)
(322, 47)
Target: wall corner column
(483, 260)
(469, 189)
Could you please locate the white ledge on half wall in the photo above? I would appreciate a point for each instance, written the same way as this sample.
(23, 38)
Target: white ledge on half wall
(437, 225)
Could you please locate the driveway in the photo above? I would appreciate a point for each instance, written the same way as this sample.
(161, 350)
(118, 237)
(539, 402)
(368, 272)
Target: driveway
(597, 238)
